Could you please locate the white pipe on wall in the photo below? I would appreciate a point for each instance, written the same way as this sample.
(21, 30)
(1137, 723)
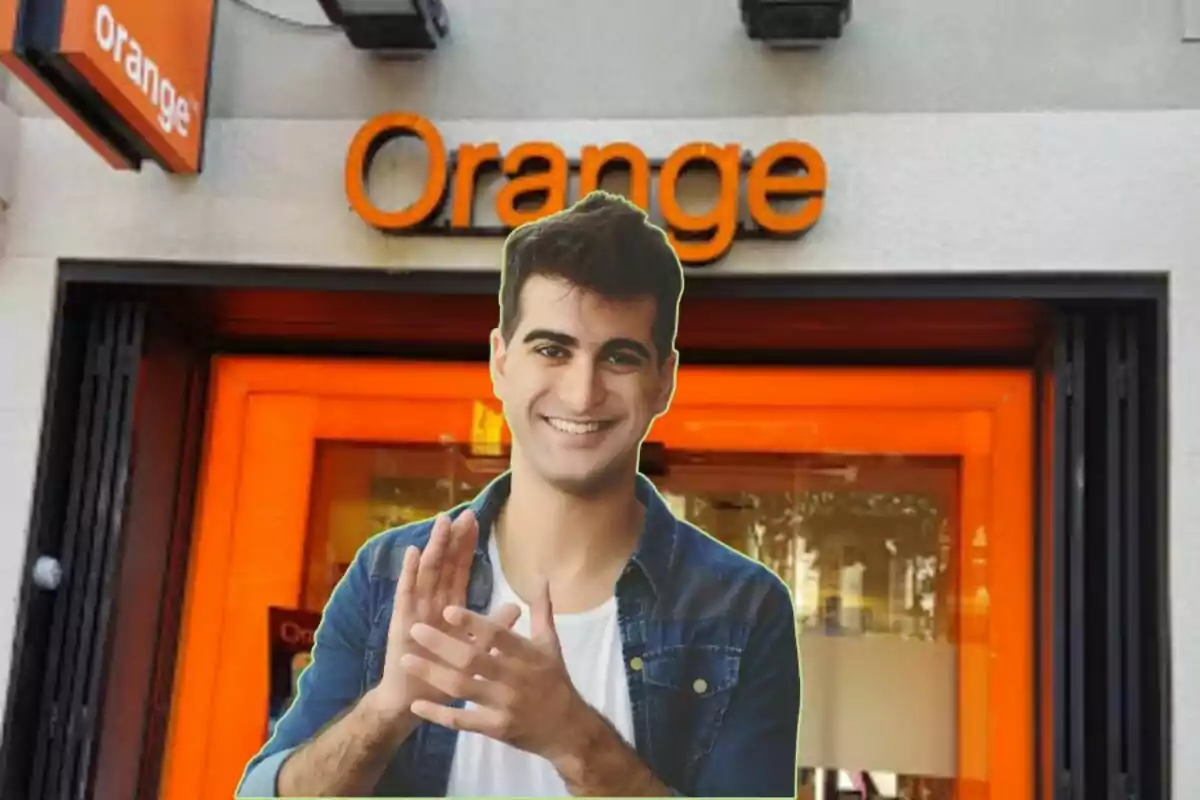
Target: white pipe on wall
(1191, 20)
(10, 130)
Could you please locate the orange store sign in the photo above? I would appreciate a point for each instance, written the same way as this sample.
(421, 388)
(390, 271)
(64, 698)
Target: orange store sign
(129, 76)
(537, 178)
(8, 24)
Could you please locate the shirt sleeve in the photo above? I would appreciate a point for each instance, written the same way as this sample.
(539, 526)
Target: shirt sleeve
(756, 751)
(328, 686)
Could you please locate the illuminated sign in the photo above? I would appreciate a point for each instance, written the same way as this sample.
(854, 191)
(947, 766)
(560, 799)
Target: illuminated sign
(130, 76)
(537, 178)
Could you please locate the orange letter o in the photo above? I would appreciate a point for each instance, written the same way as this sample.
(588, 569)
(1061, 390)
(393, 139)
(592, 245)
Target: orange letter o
(371, 137)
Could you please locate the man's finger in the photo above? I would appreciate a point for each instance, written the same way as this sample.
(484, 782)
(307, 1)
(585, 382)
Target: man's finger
(487, 631)
(431, 559)
(465, 524)
(407, 584)
(506, 615)
(466, 538)
(453, 682)
(464, 656)
(542, 616)
(480, 719)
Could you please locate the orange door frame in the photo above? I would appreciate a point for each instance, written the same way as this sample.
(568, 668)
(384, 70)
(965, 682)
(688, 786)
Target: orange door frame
(268, 414)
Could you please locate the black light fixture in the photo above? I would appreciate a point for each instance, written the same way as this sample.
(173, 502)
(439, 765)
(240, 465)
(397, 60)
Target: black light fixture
(794, 23)
(390, 27)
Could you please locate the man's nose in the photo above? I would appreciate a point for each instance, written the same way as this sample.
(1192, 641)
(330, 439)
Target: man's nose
(582, 386)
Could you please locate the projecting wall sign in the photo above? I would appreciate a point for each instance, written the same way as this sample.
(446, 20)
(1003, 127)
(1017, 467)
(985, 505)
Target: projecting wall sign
(129, 76)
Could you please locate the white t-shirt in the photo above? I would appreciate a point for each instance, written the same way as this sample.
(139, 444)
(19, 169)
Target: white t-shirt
(591, 645)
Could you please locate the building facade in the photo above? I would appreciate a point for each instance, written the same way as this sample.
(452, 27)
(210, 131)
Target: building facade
(975, 153)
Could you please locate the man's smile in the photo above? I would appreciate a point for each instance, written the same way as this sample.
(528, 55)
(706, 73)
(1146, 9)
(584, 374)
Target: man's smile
(578, 427)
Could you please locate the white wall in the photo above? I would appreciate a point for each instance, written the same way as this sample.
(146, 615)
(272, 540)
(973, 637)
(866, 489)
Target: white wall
(1088, 191)
(1094, 192)
(26, 310)
(611, 59)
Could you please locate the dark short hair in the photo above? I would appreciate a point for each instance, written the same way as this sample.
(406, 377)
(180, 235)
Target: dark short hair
(603, 244)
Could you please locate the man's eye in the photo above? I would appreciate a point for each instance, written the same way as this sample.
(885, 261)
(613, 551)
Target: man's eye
(552, 351)
(625, 359)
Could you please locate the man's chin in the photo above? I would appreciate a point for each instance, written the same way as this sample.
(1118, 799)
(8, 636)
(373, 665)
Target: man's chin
(585, 482)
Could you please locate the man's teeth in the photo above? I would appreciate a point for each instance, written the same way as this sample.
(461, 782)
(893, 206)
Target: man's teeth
(567, 426)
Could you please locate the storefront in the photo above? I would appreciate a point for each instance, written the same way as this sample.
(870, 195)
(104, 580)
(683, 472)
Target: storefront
(938, 408)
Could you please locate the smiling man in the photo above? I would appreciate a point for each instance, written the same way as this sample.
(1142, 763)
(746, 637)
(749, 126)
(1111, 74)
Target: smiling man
(564, 633)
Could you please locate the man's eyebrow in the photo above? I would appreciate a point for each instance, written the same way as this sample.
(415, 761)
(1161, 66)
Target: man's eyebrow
(627, 344)
(566, 340)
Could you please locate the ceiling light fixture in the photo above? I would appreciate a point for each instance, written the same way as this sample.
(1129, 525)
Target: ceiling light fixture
(390, 27)
(794, 23)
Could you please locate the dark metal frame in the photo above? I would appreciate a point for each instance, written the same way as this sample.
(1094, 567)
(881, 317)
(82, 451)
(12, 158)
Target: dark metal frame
(1111, 723)
(1049, 286)
(1105, 362)
(78, 653)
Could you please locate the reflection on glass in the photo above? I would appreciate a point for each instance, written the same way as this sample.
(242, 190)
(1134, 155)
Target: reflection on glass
(867, 545)
(360, 490)
(816, 784)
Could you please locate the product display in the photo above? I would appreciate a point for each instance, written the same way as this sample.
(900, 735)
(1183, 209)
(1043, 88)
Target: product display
(291, 634)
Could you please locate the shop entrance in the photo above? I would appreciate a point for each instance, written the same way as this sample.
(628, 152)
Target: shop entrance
(895, 502)
(962, 479)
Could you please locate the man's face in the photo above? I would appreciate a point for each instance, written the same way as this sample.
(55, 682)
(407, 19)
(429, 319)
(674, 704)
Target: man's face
(580, 382)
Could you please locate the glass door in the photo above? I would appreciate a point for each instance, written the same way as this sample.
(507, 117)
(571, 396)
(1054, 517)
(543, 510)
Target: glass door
(894, 503)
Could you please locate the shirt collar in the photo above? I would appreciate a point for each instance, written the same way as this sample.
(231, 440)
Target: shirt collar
(654, 554)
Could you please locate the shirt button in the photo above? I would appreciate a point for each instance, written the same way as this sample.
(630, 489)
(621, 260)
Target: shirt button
(636, 663)
(700, 685)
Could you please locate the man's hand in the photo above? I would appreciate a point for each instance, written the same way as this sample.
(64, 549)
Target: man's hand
(348, 757)
(429, 583)
(523, 696)
(520, 687)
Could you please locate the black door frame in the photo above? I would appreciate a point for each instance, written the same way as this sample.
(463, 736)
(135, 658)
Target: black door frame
(1090, 715)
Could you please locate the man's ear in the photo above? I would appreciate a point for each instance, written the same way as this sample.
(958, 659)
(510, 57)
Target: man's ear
(499, 353)
(666, 383)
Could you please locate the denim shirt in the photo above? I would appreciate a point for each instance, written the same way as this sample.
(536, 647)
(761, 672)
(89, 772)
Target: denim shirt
(709, 639)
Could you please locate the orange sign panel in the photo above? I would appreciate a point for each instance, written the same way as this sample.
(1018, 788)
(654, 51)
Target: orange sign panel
(537, 178)
(8, 28)
(149, 60)
(9, 58)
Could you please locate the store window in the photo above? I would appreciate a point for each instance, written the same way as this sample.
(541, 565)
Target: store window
(894, 503)
(868, 546)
